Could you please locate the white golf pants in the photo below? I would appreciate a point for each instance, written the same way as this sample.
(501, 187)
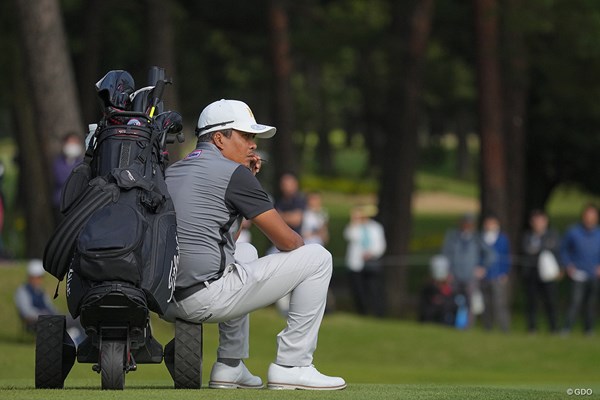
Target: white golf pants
(252, 283)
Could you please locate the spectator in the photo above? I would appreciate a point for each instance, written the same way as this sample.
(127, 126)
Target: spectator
(580, 252)
(366, 245)
(291, 204)
(32, 301)
(244, 235)
(437, 303)
(71, 155)
(315, 229)
(468, 256)
(539, 237)
(494, 285)
(314, 221)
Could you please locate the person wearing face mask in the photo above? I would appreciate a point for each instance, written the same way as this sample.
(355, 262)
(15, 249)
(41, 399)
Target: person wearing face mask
(469, 256)
(70, 156)
(495, 282)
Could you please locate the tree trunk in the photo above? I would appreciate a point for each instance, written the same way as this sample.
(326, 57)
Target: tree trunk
(161, 33)
(400, 154)
(49, 71)
(32, 165)
(282, 145)
(493, 158)
(372, 113)
(51, 83)
(540, 183)
(319, 109)
(516, 92)
(88, 66)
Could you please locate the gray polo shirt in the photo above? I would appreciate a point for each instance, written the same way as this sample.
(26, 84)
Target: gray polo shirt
(211, 194)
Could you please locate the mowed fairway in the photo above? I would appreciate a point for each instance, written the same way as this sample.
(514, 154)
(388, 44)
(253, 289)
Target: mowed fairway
(380, 359)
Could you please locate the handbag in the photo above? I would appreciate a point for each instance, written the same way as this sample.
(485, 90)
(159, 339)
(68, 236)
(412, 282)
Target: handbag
(477, 302)
(548, 267)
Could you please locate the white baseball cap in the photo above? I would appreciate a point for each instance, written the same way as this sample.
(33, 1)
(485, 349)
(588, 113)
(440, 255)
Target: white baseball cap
(35, 268)
(231, 114)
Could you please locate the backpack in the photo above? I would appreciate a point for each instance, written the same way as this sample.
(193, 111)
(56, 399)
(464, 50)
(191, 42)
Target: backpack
(119, 222)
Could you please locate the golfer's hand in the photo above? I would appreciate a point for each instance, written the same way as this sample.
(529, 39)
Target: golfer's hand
(255, 164)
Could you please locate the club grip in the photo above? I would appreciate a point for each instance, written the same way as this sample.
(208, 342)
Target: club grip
(157, 95)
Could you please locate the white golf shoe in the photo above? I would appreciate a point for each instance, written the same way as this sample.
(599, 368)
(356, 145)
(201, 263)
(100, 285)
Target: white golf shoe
(223, 376)
(307, 378)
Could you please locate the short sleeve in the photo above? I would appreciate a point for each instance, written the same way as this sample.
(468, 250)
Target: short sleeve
(245, 194)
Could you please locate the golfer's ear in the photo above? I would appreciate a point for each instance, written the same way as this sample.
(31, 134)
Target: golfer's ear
(218, 139)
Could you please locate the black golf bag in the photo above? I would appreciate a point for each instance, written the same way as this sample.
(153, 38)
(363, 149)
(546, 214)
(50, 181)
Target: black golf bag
(132, 238)
(117, 243)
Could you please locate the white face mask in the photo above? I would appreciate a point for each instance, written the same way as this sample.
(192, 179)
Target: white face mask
(72, 150)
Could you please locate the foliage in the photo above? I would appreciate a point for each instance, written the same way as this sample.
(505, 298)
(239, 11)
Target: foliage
(342, 73)
(220, 55)
(563, 125)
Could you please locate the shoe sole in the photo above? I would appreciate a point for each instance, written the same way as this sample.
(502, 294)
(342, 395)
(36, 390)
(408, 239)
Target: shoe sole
(231, 385)
(286, 386)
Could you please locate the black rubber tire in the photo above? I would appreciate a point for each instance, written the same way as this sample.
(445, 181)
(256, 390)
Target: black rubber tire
(49, 352)
(187, 360)
(112, 365)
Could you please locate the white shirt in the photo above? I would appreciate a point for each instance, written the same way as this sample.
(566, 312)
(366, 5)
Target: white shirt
(312, 223)
(363, 238)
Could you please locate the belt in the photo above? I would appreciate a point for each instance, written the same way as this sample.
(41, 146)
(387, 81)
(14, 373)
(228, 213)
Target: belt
(184, 293)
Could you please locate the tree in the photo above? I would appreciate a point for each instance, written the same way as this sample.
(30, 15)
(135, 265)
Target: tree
(563, 118)
(34, 187)
(88, 65)
(49, 73)
(162, 52)
(400, 155)
(161, 34)
(493, 157)
(516, 79)
(282, 146)
(48, 70)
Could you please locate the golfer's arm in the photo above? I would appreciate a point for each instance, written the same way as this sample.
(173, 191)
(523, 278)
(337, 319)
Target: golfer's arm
(278, 232)
(292, 218)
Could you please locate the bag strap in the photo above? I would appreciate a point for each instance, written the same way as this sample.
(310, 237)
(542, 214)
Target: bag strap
(89, 151)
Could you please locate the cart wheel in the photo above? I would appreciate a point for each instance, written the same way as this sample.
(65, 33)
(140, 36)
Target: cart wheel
(50, 330)
(112, 364)
(187, 360)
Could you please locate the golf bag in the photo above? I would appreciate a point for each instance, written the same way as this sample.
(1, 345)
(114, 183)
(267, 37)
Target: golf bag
(119, 224)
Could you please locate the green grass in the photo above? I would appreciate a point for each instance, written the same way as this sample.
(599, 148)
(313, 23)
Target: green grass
(569, 201)
(358, 391)
(428, 182)
(380, 359)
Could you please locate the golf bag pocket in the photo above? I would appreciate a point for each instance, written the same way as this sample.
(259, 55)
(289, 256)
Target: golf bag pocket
(77, 287)
(118, 147)
(110, 245)
(158, 280)
(75, 186)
